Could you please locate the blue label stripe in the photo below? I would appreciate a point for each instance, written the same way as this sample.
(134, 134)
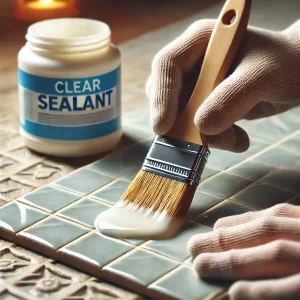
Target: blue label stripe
(46, 85)
(74, 133)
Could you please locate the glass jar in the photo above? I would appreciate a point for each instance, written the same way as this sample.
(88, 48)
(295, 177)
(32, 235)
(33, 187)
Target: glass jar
(69, 88)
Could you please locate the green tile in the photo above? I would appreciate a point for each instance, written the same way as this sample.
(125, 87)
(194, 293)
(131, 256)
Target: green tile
(221, 159)
(136, 133)
(49, 198)
(252, 170)
(224, 209)
(141, 266)
(207, 172)
(290, 118)
(112, 192)
(280, 158)
(176, 247)
(260, 195)
(84, 211)
(184, 284)
(292, 144)
(16, 216)
(54, 232)
(96, 249)
(122, 162)
(84, 181)
(272, 129)
(286, 179)
(224, 185)
(202, 202)
(131, 173)
(257, 144)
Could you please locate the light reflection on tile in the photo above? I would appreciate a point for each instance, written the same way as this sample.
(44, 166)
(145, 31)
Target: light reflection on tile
(280, 158)
(112, 192)
(150, 266)
(177, 247)
(202, 202)
(96, 249)
(260, 195)
(121, 163)
(84, 181)
(16, 216)
(224, 185)
(84, 211)
(284, 178)
(53, 232)
(226, 208)
(252, 170)
(50, 198)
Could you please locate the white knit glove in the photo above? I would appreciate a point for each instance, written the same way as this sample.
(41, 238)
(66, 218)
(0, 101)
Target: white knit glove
(254, 245)
(265, 81)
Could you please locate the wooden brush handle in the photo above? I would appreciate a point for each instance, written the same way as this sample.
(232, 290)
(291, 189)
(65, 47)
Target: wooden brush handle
(222, 47)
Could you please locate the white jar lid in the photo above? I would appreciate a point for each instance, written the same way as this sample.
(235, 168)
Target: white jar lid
(68, 32)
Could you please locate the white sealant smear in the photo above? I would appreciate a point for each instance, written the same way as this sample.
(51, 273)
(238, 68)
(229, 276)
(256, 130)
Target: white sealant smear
(125, 222)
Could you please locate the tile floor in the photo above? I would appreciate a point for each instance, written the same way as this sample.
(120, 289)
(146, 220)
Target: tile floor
(57, 219)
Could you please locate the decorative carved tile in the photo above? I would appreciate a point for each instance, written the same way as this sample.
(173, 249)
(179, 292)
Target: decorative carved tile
(9, 138)
(5, 244)
(12, 263)
(46, 282)
(26, 155)
(100, 291)
(75, 274)
(7, 166)
(39, 174)
(11, 189)
(5, 294)
(5, 162)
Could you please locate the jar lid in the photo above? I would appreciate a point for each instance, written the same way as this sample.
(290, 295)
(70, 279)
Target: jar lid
(68, 32)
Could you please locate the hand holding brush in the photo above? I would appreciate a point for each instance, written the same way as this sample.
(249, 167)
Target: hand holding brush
(264, 80)
(159, 197)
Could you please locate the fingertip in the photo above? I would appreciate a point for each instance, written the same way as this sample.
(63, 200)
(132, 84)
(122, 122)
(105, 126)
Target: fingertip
(203, 265)
(159, 128)
(240, 290)
(234, 139)
(192, 245)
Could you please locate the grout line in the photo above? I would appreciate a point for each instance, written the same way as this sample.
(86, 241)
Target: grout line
(259, 180)
(149, 251)
(167, 274)
(266, 148)
(255, 154)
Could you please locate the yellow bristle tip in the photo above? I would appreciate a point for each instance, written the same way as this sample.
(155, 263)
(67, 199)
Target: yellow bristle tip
(159, 194)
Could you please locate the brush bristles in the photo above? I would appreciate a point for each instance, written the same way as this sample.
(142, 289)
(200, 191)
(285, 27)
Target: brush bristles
(158, 194)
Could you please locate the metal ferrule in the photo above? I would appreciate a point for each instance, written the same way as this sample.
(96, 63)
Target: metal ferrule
(176, 159)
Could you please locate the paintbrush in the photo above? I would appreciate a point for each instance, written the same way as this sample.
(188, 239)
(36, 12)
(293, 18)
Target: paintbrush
(159, 197)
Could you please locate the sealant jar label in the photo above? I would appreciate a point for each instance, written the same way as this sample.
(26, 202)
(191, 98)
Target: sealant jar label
(70, 109)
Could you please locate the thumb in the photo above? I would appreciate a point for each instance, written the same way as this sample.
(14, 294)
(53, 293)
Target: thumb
(230, 100)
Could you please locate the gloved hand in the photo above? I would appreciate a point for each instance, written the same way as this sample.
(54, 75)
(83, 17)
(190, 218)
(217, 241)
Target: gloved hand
(254, 245)
(265, 81)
